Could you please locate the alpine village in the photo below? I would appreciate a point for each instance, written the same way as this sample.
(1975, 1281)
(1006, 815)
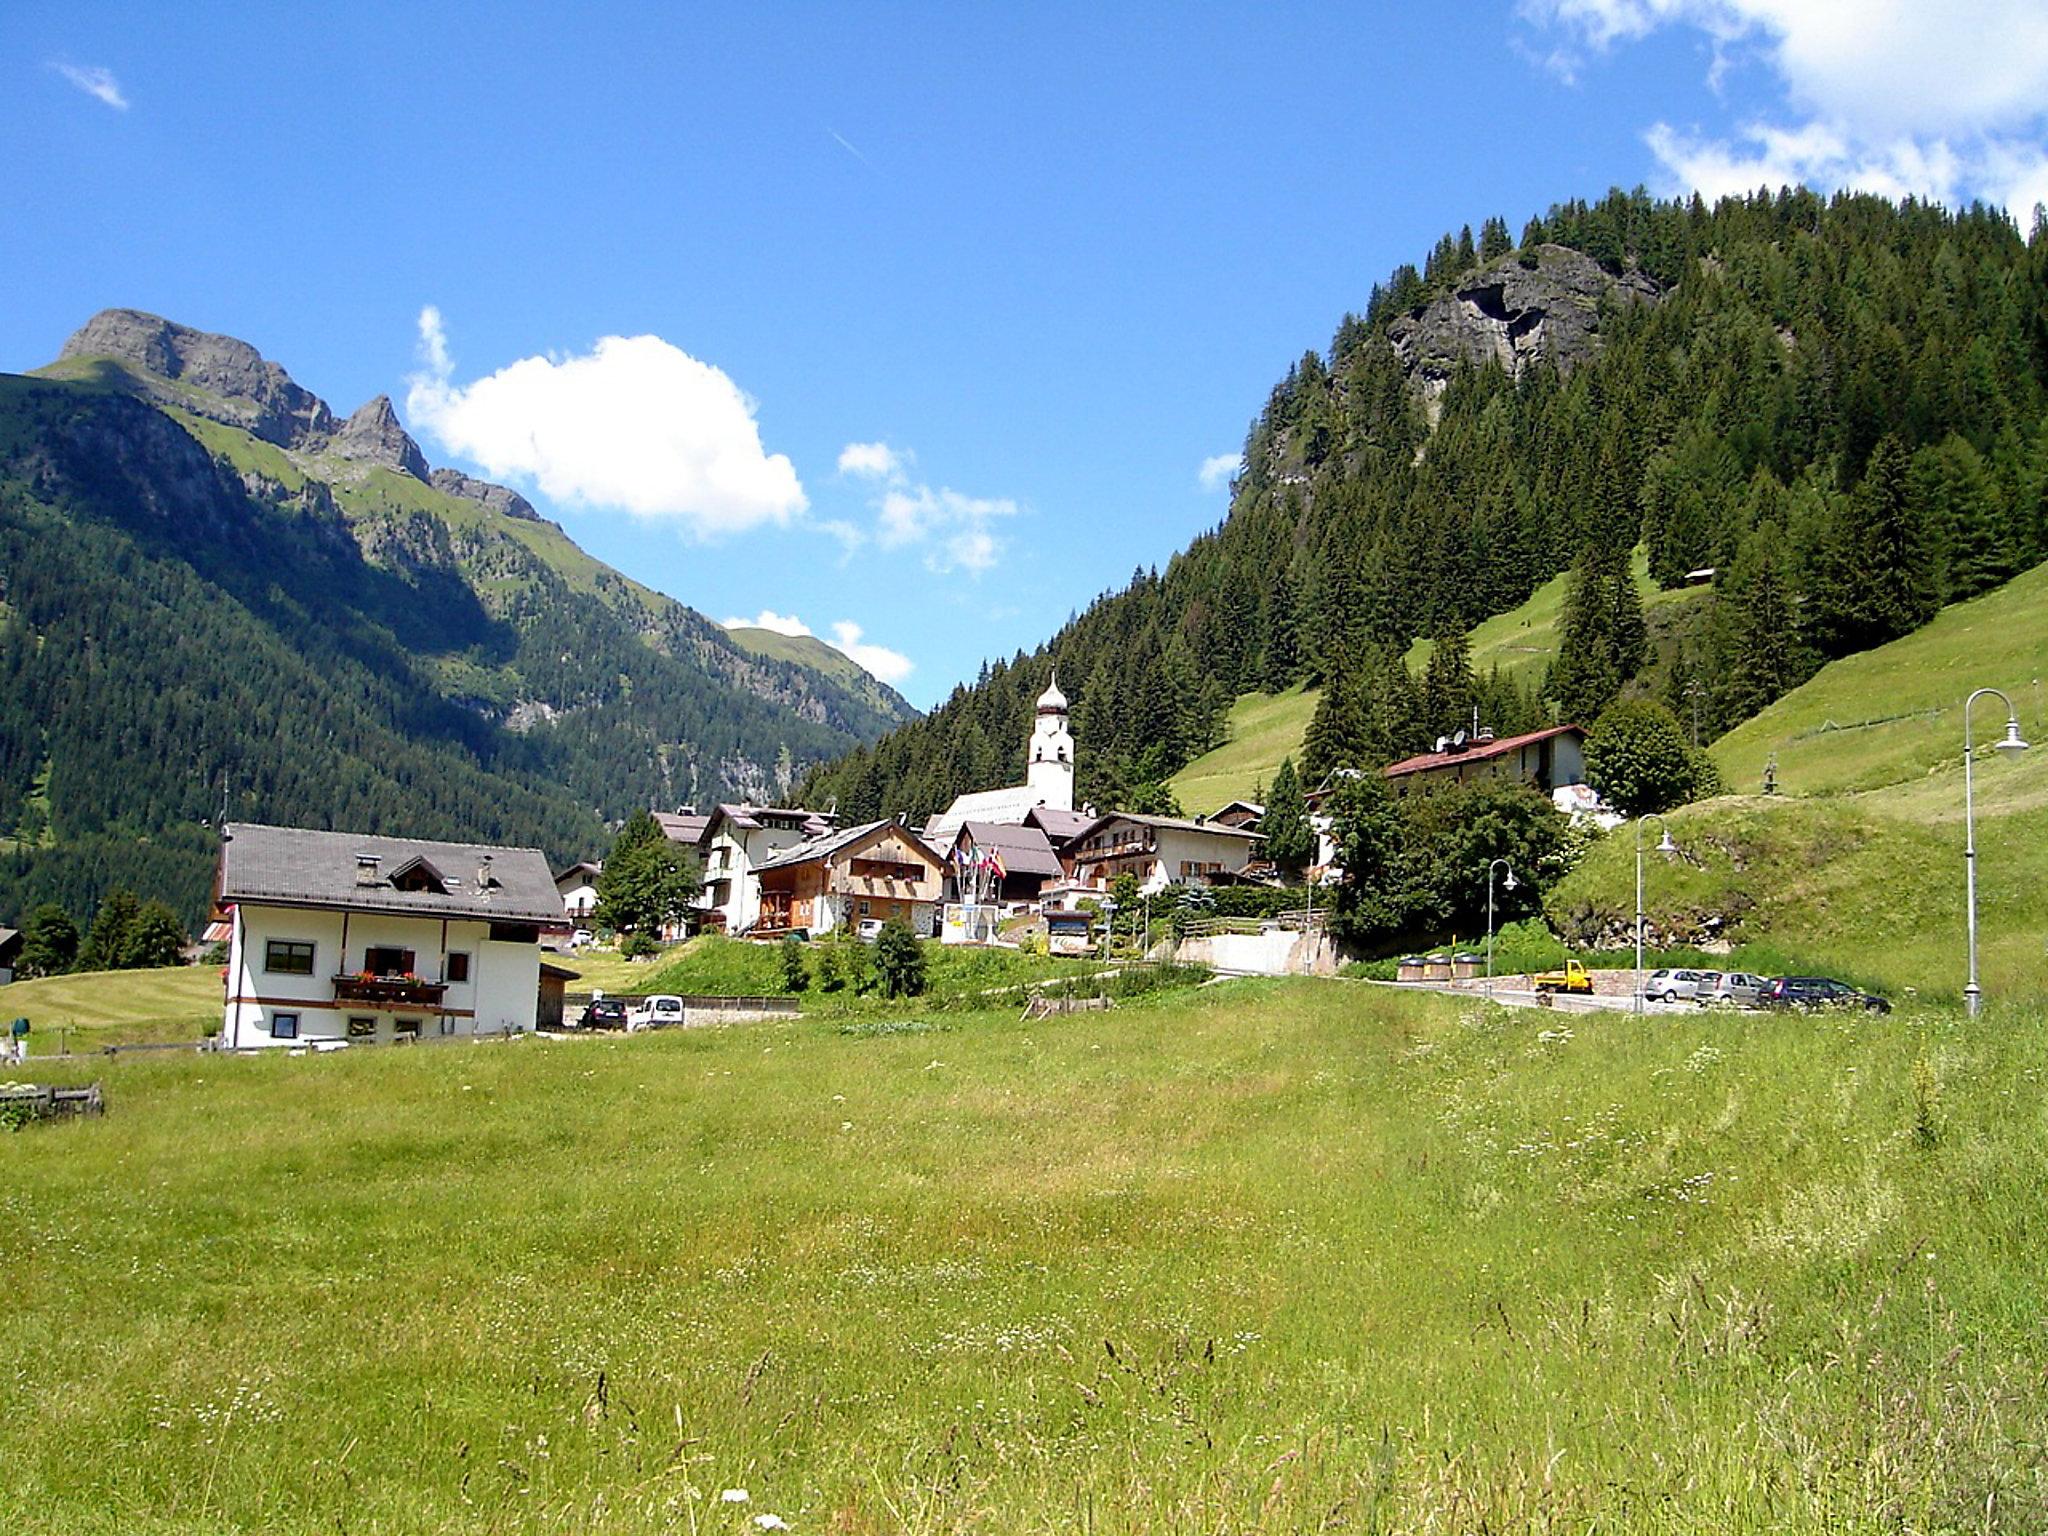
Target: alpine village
(1501, 987)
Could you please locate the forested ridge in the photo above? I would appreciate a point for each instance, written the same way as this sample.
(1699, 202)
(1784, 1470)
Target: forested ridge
(195, 628)
(1838, 404)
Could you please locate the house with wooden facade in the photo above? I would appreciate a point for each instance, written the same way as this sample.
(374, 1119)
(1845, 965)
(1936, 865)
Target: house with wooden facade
(1159, 850)
(995, 862)
(735, 842)
(344, 937)
(842, 879)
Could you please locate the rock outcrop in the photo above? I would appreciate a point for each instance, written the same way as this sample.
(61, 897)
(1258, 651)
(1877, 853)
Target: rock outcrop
(454, 482)
(253, 394)
(373, 436)
(1515, 314)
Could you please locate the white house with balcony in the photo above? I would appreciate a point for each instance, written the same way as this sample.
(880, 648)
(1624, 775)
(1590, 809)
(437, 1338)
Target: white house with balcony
(1159, 850)
(735, 842)
(345, 937)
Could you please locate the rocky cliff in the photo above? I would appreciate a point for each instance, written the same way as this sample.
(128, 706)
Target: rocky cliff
(1543, 303)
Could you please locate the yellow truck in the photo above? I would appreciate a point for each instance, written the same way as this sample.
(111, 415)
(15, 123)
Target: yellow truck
(1571, 978)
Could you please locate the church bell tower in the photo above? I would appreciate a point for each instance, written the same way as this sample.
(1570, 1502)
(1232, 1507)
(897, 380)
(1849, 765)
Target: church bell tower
(1050, 773)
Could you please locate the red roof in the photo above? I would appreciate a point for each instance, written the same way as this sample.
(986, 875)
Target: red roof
(1478, 752)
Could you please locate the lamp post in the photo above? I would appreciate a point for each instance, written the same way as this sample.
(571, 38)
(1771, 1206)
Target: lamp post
(1664, 845)
(1507, 884)
(1973, 995)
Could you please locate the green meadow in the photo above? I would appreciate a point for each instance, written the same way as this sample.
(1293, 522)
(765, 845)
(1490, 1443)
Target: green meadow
(1258, 1257)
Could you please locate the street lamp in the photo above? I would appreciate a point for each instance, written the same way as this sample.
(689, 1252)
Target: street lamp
(1665, 845)
(1973, 995)
(1506, 885)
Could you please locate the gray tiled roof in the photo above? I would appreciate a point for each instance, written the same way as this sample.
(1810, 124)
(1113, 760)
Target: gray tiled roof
(818, 847)
(1025, 850)
(293, 866)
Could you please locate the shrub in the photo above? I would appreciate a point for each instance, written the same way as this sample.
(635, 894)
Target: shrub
(899, 959)
(796, 976)
(638, 946)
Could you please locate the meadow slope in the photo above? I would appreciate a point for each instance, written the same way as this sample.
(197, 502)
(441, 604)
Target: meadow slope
(1273, 1256)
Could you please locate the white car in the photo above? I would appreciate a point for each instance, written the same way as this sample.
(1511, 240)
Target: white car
(581, 937)
(1671, 985)
(1740, 989)
(656, 1012)
(870, 928)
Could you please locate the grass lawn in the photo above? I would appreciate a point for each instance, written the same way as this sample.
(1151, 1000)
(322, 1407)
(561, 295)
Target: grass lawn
(1265, 1257)
(1894, 715)
(606, 970)
(715, 966)
(95, 1008)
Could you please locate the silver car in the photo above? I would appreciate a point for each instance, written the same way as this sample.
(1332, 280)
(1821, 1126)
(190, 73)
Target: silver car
(1677, 985)
(1738, 989)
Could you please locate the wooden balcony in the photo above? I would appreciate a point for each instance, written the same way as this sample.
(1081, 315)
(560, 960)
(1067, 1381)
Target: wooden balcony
(389, 991)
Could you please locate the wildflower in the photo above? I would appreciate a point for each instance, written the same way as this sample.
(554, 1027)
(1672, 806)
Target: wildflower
(771, 1522)
(733, 1496)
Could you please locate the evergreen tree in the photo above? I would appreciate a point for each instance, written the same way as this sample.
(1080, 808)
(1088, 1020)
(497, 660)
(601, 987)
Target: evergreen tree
(108, 941)
(1449, 690)
(899, 960)
(1337, 731)
(49, 941)
(1878, 577)
(1283, 634)
(1493, 239)
(1585, 677)
(1290, 840)
(796, 976)
(155, 937)
(1753, 636)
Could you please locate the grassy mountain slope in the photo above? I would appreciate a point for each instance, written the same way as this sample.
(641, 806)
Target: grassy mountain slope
(1153, 1271)
(829, 660)
(1261, 729)
(1857, 867)
(193, 611)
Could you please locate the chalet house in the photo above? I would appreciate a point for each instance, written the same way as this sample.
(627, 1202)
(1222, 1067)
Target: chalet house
(10, 953)
(338, 936)
(1544, 760)
(577, 886)
(1245, 815)
(1060, 827)
(842, 879)
(1159, 850)
(735, 842)
(993, 862)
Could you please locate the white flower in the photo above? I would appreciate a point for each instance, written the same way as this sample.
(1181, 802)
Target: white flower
(846, 1125)
(733, 1496)
(771, 1522)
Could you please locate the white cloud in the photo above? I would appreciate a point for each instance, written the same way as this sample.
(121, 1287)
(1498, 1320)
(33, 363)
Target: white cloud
(95, 82)
(892, 667)
(1218, 470)
(1945, 100)
(635, 424)
(955, 527)
(768, 618)
(873, 461)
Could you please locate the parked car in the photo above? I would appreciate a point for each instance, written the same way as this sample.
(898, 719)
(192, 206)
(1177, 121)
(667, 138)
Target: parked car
(656, 1012)
(1820, 992)
(581, 937)
(870, 928)
(1739, 989)
(1673, 985)
(605, 1013)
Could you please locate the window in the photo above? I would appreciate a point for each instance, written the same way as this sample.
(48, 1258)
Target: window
(405, 1029)
(284, 1026)
(380, 960)
(458, 968)
(288, 957)
(362, 1027)
(863, 909)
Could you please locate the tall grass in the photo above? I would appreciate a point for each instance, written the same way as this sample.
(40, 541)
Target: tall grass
(1263, 1257)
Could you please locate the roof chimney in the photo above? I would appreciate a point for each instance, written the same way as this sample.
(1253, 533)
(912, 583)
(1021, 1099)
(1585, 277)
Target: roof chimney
(366, 869)
(483, 876)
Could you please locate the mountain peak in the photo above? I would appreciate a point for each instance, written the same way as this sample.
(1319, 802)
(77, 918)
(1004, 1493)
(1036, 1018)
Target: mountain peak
(260, 395)
(373, 435)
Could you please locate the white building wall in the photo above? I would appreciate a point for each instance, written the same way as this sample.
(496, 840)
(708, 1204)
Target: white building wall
(579, 900)
(732, 855)
(502, 991)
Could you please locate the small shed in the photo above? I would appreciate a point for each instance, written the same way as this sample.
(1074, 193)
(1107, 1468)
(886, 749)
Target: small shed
(1069, 932)
(10, 953)
(554, 984)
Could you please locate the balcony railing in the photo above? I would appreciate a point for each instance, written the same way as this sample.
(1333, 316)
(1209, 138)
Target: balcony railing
(388, 989)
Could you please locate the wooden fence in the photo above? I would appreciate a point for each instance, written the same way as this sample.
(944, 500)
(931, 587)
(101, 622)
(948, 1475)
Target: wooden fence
(36, 1101)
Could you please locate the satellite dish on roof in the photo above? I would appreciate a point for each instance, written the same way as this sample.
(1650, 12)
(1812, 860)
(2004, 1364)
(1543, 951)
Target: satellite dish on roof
(1458, 742)
(1443, 743)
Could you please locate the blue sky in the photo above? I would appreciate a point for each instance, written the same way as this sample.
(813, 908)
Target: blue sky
(918, 319)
